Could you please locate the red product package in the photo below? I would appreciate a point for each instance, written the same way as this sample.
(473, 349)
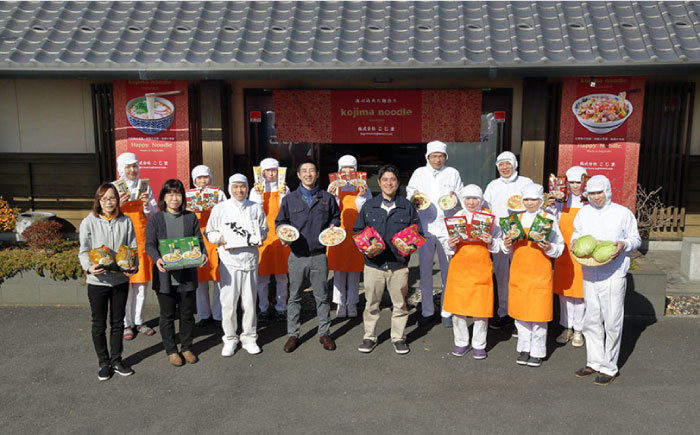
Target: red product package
(559, 187)
(481, 224)
(407, 241)
(369, 242)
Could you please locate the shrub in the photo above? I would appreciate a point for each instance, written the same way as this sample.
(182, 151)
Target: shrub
(44, 235)
(62, 264)
(8, 216)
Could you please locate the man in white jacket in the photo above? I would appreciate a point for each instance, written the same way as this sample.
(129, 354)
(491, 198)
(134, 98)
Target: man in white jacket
(434, 180)
(604, 286)
(238, 265)
(496, 196)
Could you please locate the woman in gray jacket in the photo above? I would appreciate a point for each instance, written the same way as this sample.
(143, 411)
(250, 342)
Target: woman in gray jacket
(107, 289)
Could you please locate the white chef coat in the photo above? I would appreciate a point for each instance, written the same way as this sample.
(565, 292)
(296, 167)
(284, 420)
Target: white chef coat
(499, 190)
(555, 239)
(434, 183)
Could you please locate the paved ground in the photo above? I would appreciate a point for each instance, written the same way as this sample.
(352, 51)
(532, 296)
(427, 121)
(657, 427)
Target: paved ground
(49, 384)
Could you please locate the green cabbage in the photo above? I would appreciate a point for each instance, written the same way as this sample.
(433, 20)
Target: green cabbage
(585, 246)
(604, 251)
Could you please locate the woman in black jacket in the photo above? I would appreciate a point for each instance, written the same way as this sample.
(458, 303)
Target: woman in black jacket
(176, 288)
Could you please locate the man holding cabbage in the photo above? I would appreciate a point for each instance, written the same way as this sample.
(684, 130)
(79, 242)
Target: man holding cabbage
(613, 227)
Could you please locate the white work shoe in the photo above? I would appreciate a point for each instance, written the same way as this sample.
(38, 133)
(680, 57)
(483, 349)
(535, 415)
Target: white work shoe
(251, 348)
(578, 339)
(565, 336)
(342, 312)
(229, 348)
(352, 310)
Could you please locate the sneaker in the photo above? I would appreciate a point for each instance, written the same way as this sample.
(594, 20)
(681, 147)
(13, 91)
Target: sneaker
(128, 334)
(280, 316)
(446, 322)
(123, 369)
(479, 353)
(522, 358)
(424, 321)
(352, 310)
(460, 350)
(229, 348)
(401, 347)
(578, 340)
(251, 348)
(203, 323)
(565, 336)
(342, 312)
(534, 362)
(263, 317)
(585, 371)
(603, 379)
(105, 373)
(146, 330)
(367, 346)
(501, 322)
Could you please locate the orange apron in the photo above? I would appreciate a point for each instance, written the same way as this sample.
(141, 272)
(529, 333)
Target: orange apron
(469, 287)
(274, 256)
(134, 209)
(210, 271)
(346, 257)
(568, 274)
(530, 293)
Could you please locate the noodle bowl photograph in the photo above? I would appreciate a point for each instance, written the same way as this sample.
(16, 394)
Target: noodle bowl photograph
(138, 116)
(602, 113)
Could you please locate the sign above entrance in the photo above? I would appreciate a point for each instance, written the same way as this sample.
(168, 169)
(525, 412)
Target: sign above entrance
(373, 116)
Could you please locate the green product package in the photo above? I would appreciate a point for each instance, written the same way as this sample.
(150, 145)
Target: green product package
(180, 253)
(512, 228)
(540, 229)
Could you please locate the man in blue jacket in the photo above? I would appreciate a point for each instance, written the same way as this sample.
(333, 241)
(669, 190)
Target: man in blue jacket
(388, 213)
(310, 210)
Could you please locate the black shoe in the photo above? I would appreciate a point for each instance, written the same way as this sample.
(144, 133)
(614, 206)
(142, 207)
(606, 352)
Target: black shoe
(123, 369)
(401, 347)
(280, 316)
(522, 359)
(264, 317)
(424, 321)
(105, 373)
(603, 379)
(367, 346)
(534, 362)
(501, 322)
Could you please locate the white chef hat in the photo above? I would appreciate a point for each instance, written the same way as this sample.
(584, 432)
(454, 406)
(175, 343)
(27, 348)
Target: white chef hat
(269, 163)
(600, 183)
(201, 171)
(237, 178)
(507, 156)
(470, 191)
(533, 191)
(575, 173)
(125, 159)
(347, 160)
(436, 146)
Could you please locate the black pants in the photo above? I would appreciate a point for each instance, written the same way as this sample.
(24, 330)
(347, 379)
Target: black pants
(103, 298)
(169, 304)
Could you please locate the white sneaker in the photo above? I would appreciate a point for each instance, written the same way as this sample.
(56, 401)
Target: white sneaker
(578, 339)
(251, 348)
(565, 336)
(342, 312)
(229, 348)
(352, 310)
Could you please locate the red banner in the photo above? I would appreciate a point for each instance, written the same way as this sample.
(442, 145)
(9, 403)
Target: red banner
(155, 128)
(372, 116)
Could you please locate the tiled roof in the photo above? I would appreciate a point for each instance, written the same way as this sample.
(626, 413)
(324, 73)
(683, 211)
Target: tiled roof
(283, 36)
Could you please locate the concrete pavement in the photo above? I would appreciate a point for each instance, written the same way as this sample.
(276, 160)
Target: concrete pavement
(49, 385)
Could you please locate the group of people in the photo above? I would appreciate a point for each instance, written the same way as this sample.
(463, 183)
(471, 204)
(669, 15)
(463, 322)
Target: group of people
(591, 298)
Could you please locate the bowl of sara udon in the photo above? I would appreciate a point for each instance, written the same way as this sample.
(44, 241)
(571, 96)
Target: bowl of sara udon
(137, 114)
(602, 113)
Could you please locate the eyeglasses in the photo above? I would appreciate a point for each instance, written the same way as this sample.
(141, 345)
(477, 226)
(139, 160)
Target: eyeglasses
(108, 199)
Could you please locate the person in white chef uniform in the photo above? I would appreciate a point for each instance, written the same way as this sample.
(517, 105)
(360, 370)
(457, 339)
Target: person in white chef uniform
(435, 179)
(238, 266)
(496, 195)
(604, 286)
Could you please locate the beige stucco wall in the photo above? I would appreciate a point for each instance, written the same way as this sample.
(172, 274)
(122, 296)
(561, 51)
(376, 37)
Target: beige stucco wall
(46, 116)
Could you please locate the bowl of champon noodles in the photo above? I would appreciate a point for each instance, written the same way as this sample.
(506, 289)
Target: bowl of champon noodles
(159, 118)
(602, 113)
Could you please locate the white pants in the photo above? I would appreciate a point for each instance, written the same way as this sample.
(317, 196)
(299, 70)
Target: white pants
(281, 297)
(426, 257)
(234, 284)
(501, 268)
(135, 301)
(602, 323)
(461, 331)
(571, 312)
(532, 338)
(203, 307)
(346, 287)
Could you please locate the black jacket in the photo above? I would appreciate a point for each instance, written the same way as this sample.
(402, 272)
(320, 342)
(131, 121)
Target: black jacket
(372, 214)
(155, 230)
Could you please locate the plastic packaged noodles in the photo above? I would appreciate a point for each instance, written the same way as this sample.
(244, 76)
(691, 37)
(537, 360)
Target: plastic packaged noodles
(512, 228)
(369, 242)
(540, 229)
(408, 240)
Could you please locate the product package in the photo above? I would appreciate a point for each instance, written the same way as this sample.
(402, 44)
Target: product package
(201, 199)
(457, 227)
(481, 224)
(558, 187)
(408, 240)
(369, 242)
(122, 187)
(142, 187)
(584, 181)
(512, 228)
(281, 177)
(126, 257)
(258, 178)
(101, 256)
(540, 229)
(180, 253)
